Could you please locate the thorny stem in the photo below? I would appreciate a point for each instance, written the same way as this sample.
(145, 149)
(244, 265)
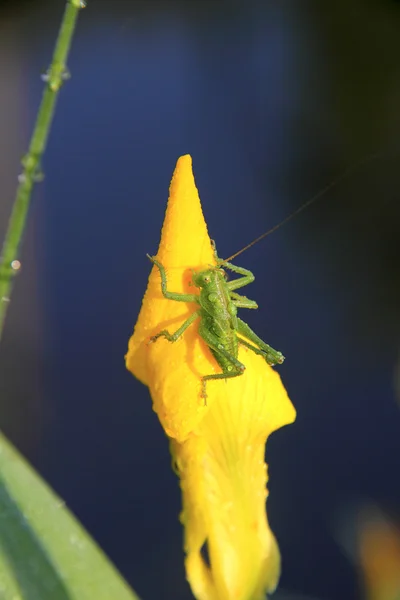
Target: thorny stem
(54, 79)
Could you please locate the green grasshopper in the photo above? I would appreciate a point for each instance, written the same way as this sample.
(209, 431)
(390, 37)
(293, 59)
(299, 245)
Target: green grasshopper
(220, 327)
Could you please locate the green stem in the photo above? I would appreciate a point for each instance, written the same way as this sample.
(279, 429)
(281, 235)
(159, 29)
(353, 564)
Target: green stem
(54, 78)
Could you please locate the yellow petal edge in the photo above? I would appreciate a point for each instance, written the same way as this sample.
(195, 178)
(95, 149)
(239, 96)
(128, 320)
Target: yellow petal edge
(218, 448)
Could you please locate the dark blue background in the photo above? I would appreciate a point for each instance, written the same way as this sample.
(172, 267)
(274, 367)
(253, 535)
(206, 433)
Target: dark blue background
(272, 100)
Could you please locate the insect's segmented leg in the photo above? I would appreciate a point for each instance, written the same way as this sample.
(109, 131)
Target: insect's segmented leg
(206, 378)
(247, 278)
(171, 295)
(251, 347)
(172, 337)
(235, 367)
(273, 357)
(242, 301)
(235, 284)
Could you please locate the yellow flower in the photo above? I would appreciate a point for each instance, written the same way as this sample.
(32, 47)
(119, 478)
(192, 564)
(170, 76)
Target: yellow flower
(218, 448)
(379, 555)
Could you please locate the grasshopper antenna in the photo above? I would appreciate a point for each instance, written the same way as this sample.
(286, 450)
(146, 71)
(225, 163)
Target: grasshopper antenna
(308, 203)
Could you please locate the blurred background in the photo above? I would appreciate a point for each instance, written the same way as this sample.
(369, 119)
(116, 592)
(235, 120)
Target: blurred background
(273, 99)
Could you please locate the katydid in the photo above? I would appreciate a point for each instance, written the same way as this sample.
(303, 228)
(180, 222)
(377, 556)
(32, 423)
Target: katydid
(220, 327)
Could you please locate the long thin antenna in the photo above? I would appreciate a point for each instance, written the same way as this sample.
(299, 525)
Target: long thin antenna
(306, 204)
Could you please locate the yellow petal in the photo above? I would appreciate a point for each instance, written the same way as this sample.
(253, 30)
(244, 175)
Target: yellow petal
(223, 480)
(379, 541)
(219, 448)
(173, 371)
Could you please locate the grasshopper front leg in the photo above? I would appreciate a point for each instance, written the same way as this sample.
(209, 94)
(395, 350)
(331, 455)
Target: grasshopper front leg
(247, 278)
(235, 284)
(171, 295)
(173, 337)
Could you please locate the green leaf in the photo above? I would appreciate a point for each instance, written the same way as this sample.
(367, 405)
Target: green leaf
(45, 554)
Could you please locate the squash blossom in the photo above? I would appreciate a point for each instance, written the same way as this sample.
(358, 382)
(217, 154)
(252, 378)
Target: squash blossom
(218, 447)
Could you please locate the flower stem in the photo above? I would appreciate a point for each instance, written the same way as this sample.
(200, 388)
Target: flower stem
(54, 79)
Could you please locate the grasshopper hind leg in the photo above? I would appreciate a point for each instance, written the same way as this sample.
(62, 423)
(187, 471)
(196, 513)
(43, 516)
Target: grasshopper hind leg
(272, 356)
(236, 371)
(230, 365)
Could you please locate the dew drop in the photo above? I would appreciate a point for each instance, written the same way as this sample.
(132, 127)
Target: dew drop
(45, 76)
(66, 74)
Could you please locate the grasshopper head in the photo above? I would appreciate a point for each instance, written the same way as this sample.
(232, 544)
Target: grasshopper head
(204, 278)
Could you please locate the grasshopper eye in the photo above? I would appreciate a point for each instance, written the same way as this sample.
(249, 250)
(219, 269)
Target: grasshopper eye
(206, 279)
